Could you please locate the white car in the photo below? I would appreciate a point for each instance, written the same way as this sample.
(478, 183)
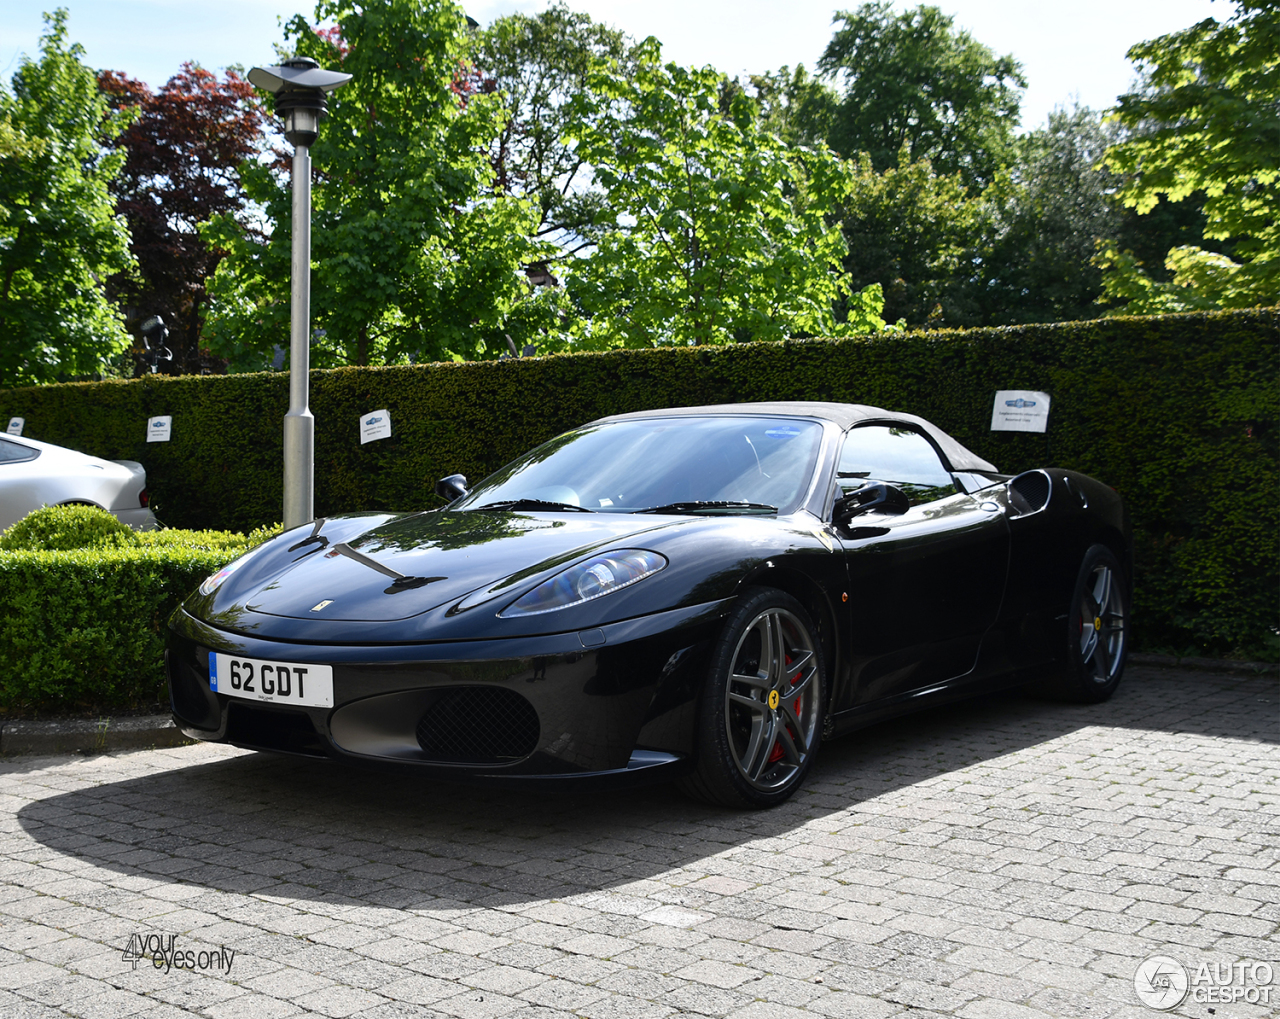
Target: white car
(35, 474)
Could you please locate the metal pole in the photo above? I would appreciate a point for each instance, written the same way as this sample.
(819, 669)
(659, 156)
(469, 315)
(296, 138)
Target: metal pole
(299, 425)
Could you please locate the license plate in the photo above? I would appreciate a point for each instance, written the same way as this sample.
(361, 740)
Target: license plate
(275, 682)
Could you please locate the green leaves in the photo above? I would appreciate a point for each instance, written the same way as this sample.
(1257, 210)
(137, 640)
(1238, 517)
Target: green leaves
(1207, 120)
(721, 231)
(412, 257)
(536, 63)
(59, 238)
(84, 628)
(921, 236)
(910, 79)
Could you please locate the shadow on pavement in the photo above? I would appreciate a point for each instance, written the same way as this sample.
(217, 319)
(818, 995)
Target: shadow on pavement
(312, 830)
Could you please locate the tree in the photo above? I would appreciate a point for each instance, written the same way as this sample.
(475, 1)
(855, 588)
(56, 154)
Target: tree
(921, 237)
(721, 231)
(911, 79)
(411, 258)
(795, 106)
(181, 155)
(1207, 120)
(537, 63)
(1048, 220)
(59, 238)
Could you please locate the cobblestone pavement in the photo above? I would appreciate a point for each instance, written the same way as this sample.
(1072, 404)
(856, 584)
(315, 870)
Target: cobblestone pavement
(1009, 858)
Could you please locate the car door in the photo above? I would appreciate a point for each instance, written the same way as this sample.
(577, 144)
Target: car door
(925, 584)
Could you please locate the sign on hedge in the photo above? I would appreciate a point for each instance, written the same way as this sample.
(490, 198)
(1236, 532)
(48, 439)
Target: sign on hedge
(1020, 410)
(159, 428)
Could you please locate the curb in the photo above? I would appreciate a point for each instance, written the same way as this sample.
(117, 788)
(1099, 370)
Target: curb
(1206, 664)
(90, 735)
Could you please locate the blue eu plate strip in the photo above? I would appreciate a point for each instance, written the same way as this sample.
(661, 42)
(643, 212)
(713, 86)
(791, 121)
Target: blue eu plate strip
(213, 671)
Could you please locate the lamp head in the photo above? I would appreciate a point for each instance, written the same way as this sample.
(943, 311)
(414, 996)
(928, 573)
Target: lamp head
(300, 86)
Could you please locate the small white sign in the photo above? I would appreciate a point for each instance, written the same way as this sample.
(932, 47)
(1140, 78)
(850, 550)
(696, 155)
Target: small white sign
(158, 428)
(16, 425)
(375, 425)
(1020, 410)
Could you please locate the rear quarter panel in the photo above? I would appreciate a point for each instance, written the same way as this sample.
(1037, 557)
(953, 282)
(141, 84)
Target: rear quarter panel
(1046, 550)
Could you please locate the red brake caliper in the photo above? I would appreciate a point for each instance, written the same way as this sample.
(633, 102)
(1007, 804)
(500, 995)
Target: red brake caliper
(775, 754)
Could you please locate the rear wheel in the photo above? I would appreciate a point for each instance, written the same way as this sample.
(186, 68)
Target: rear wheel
(1097, 628)
(760, 719)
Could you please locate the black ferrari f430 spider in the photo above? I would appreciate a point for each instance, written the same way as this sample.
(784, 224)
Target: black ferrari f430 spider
(702, 594)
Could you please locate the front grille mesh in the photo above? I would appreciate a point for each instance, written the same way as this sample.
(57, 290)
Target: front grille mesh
(479, 725)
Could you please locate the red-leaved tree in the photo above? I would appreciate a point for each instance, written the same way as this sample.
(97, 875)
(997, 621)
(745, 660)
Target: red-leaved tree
(180, 168)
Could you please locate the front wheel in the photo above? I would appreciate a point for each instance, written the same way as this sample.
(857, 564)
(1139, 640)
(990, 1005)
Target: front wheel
(1097, 627)
(760, 717)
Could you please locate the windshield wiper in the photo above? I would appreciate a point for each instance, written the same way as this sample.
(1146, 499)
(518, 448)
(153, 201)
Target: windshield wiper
(704, 506)
(314, 538)
(399, 582)
(533, 504)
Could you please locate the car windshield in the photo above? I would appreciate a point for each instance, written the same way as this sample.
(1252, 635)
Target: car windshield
(713, 464)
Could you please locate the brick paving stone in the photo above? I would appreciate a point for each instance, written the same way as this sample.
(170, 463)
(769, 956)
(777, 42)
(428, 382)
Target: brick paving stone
(256, 1006)
(108, 1004)
(1005, 859)
(718, 974)
(338, 1001)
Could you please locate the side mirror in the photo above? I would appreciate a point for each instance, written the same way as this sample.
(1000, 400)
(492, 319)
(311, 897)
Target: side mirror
(452, 487)
(877, 497)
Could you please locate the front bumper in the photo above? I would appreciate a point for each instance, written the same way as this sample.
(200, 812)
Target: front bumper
(141, 519)
(614, 701)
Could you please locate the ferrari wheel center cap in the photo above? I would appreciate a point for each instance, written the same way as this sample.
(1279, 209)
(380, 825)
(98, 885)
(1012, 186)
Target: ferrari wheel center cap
(1097, 622)
(773, 700)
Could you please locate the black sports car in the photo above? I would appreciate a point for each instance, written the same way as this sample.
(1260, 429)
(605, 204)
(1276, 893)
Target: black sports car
(703, 593)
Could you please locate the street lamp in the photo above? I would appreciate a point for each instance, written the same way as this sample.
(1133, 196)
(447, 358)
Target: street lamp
(300, 86)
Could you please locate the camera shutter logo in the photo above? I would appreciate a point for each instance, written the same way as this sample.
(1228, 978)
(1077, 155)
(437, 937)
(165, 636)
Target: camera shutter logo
(1160, 982)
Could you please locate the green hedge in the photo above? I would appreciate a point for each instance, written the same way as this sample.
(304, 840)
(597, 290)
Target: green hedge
(83, 629)
(83, 602)
(1178, 413)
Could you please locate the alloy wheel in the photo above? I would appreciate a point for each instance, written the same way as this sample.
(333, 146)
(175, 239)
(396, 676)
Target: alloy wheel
(772, 699)
(1102, 626)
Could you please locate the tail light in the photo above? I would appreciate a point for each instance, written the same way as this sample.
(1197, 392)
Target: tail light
(144, 499)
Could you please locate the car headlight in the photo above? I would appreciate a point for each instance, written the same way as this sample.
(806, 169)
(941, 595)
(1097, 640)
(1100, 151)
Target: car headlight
(594, 578)
(214, 582)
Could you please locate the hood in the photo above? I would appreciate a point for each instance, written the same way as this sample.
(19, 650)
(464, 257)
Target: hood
(442, 556)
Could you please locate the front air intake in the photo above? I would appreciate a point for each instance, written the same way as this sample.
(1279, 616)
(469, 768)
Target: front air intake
(478, 725)
(1029, 493)
(263, 728)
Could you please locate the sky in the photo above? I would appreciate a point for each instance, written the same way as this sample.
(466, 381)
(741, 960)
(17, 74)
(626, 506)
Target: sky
(1070, 52)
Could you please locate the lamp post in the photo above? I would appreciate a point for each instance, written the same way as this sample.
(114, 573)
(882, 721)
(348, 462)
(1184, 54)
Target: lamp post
(300, 86)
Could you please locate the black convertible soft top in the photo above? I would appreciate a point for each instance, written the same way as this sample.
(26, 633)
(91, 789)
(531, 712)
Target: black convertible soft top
(846, 415)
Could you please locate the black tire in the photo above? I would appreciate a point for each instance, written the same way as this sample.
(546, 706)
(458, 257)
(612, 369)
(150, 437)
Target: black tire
(1097, 628)
(760, 715)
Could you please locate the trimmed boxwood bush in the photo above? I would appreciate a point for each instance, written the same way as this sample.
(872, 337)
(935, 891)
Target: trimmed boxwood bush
(1178, 413)
(59, 528)
(82, 628)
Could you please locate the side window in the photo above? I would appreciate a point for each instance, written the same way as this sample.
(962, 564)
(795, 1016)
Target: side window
(15, 452)
(897, 456)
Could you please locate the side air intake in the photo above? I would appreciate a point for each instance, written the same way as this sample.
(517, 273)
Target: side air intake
(1029, 493)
